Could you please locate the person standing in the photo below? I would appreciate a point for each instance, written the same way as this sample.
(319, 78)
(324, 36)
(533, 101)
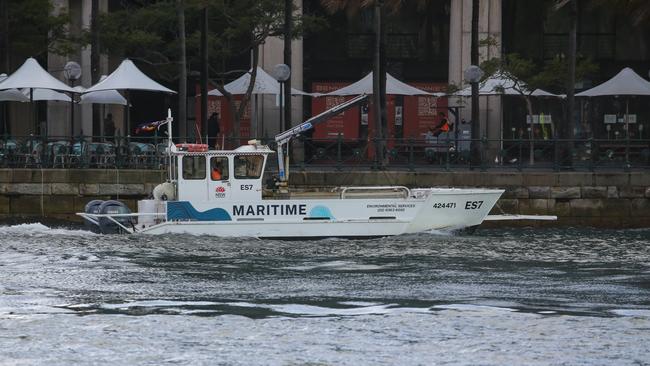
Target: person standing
(213, 129)
(109, 127)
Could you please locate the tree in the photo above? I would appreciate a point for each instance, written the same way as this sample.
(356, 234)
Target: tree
(29, 28)
(380, 8)
(527, 76)
(150, 33)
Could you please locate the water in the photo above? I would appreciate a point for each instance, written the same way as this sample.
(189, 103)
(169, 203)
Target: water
(497, 297)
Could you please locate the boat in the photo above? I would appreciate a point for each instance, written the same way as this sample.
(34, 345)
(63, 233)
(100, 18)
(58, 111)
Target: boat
(222, 193)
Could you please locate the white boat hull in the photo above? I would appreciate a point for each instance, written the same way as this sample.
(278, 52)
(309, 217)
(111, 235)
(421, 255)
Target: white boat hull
(426, 209)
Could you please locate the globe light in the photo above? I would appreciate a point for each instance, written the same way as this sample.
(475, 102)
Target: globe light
(473, 74)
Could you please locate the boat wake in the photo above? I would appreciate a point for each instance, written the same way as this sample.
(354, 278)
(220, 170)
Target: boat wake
(38, 229)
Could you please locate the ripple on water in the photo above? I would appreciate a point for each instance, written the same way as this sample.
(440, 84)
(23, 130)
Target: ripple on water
(499, 296)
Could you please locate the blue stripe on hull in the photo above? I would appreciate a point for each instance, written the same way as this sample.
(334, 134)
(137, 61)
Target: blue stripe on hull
(183, 210)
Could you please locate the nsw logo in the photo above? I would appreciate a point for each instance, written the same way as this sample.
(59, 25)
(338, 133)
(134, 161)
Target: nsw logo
(220, 192)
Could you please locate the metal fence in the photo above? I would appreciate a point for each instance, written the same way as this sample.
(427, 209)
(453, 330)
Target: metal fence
(504, 154)
(99, 152)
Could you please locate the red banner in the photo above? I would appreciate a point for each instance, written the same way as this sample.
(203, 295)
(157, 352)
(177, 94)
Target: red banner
(346, 123)
(422, 112)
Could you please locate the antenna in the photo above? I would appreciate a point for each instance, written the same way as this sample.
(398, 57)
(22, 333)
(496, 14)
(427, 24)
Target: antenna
(170, 119)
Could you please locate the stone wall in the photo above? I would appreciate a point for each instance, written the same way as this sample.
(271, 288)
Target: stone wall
(578, 198)
(59, 193)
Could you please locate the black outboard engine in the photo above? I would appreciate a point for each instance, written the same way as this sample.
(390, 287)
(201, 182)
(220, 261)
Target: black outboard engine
(108, 226)
(92, 207)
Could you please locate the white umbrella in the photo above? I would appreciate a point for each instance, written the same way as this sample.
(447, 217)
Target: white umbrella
(46, 94)
(626, 82)
(393, 87)
(264, 84)
(128, 77)
(13, 95)
(544, 93)
(102, 96)
(500, 83)
(32, 75)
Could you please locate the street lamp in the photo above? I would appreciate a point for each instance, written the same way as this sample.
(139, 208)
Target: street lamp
(282, 72)
(473, 75)
(72, 72)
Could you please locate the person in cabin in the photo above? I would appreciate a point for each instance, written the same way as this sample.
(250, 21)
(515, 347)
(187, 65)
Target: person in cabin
(213, 129)
(217, 171)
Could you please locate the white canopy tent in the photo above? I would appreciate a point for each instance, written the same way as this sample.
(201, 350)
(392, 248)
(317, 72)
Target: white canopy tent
(102, 96)
(31, 76)
(128, 77)
(543, 93)
(9, 95)
(393, 87)
(264, 84)
(626, 82)
(46, 94)
(13, 95)
(502, 83)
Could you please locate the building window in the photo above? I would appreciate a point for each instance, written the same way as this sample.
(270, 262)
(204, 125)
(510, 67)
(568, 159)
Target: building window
(193, 167)
(248, 166)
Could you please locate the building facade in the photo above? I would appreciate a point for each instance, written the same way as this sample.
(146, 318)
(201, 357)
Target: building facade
(428, 44)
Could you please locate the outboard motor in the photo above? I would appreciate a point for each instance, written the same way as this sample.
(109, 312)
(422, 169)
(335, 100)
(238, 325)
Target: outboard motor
(92, 207)
(108, 226)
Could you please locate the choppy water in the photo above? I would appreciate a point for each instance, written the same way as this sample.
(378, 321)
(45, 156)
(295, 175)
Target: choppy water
(497, 297)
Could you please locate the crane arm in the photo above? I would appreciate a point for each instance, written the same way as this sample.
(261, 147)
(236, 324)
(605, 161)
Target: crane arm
(283, 138)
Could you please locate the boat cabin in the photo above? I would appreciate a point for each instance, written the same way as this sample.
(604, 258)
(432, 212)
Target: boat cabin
(221, 175)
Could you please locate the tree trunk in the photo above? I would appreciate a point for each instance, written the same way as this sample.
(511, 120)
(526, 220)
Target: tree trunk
(182, 73)
(4, 46)
(4, 42)
(204, 72)
(95, 72)
(288, 31)
(475, 154)
(568, 129)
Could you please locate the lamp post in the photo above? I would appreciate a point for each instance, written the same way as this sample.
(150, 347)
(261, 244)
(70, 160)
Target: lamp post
(473, 75)
(282, 73)
(72, 72)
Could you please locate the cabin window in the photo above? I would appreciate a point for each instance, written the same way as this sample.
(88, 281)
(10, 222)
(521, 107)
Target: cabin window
(193, 167)
(248, 166)
(219, 168)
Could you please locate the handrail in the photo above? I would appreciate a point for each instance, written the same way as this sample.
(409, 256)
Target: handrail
(344, 190)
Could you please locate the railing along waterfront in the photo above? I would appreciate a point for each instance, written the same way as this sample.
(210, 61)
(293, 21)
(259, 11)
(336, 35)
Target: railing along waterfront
(100, 152)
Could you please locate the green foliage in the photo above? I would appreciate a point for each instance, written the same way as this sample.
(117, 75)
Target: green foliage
(551, 76)
(34, 31)
(147, 31)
